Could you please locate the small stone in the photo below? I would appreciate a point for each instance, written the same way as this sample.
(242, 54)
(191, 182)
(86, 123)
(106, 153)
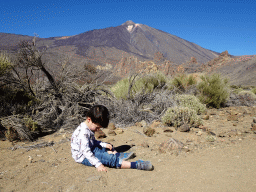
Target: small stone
(111, 133)
(61, 130)
(111, 126)
(199, 133)
(253, 126)
(167, 130)
(221, 135)
(184, 128)
(100, 134)
(211, 133)
(30, 159)
(205, 117)
(119, 131)
(149, 131)
(186, 150)
(156, 124)
(143, 123)
(254, 119)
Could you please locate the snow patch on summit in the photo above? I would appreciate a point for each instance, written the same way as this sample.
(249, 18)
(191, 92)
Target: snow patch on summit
(130, 28)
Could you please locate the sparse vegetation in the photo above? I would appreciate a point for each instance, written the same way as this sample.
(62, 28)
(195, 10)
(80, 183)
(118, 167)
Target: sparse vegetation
(37, 100)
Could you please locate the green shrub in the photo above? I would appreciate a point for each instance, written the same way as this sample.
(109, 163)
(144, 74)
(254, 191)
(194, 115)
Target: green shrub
(30, 124)
(5, 64)
(183, 81)
(249, 94)
(214, 91)
(253, 90)
(121, 88)
(144, 84)
(238, 90)
(191, 102)
(176, 116)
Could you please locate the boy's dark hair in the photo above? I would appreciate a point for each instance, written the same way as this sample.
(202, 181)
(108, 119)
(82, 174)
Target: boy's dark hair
(99, 114)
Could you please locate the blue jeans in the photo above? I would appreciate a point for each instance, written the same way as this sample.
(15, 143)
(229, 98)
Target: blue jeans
(109, 160)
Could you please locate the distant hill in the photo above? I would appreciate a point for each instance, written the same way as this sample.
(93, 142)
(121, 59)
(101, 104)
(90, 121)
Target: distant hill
(239, 70)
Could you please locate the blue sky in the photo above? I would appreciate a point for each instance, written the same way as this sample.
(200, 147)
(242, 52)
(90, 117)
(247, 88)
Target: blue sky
(217, 25)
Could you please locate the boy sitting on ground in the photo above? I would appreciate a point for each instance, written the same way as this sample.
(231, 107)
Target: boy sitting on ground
(88, 151)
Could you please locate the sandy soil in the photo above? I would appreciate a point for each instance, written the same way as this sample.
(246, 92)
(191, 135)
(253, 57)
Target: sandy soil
(218, 156)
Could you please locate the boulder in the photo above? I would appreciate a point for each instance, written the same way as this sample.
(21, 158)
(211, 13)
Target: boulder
(253, 126)
(111, 126)
(167, 130)
(111, 133)
(100, 134)
(156, 124)
(143, 123)
(119, 131)
(184, 128)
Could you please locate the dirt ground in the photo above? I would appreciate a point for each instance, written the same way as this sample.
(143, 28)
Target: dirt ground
(218, 156)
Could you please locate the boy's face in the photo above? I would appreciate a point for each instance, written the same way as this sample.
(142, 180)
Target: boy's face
(92, 126)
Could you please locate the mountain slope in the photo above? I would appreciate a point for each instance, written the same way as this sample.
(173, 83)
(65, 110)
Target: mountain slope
(137, 40)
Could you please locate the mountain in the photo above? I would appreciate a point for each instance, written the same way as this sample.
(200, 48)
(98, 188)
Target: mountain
(113, 43)
(137, 40)
(125, 48)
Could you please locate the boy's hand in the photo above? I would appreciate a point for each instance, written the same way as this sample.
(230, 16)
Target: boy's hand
(102, 168)
(109, 146)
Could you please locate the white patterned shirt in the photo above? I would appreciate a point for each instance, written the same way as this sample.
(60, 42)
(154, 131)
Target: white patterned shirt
(82, 141)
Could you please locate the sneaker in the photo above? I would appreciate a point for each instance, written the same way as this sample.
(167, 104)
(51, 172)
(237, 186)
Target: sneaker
(125, 156)
(144, 165)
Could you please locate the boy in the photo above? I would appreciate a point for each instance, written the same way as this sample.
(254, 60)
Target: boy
(88, 151)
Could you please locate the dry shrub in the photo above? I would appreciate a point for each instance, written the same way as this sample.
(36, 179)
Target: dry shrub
(191, 102)
(177, 116)
(16, 129)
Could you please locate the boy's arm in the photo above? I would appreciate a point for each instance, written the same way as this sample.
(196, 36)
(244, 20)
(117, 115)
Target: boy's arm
(103, 144)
